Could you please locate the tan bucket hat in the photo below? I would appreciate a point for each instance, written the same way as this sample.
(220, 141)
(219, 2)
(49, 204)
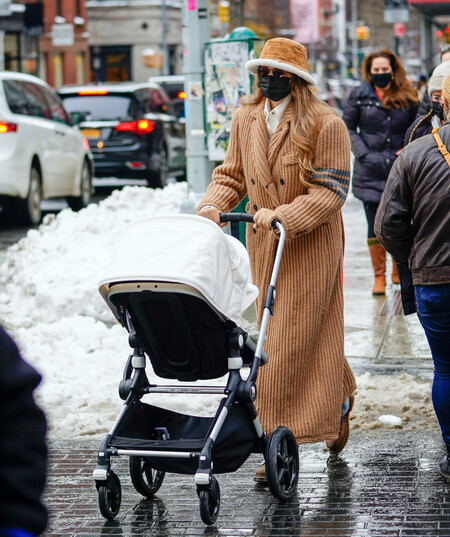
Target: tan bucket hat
(285, 54)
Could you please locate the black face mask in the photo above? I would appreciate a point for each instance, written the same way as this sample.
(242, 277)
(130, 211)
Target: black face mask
(274, 88)
(438, 109)
(381, 80)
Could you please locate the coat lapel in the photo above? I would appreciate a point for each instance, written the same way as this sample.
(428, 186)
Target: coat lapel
(261, 147)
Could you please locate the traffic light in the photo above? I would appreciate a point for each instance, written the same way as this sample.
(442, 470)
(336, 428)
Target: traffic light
(223, 10)
(362, 32)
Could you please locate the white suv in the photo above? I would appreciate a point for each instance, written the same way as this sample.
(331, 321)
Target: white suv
(42, 154)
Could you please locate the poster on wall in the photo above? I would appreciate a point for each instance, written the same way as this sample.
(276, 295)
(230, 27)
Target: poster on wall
(226, 81)
(305, 20)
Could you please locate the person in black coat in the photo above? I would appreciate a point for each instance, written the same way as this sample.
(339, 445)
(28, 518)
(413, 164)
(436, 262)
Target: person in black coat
(23, 451)
(435, 117)
(378, 114)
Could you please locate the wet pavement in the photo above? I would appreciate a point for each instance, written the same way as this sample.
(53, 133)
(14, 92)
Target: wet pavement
(385, 483)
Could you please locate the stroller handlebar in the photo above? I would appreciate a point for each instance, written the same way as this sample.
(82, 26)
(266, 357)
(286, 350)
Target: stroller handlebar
(236, 217)
(243, 217)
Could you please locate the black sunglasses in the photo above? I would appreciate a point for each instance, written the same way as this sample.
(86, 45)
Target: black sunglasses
(276, 73)
(445, 48)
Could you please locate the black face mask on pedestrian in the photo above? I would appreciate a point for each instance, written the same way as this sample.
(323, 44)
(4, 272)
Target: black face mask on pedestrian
(274, 88)
(381, 80)
(438, 109)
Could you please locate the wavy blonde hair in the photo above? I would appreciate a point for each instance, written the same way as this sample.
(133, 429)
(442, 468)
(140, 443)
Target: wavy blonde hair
(446, 91)
(307, 107)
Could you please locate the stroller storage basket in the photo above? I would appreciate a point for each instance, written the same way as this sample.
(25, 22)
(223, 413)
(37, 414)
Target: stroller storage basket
(236, 441)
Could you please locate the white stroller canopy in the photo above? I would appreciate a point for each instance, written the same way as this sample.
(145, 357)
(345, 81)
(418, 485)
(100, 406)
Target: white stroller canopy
(190, 250)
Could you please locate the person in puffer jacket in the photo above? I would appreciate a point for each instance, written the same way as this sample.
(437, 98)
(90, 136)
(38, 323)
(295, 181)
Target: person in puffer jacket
(378, 114)
(413, 224)
(435, 117)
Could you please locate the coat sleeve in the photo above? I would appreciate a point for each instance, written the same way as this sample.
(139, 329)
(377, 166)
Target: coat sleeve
(351, 117)
(393, 226)
(330, 183)
(227, 187)
(23, 452)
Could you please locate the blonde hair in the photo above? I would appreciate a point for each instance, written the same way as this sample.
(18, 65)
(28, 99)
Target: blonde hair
(446, 88)
(307, 107)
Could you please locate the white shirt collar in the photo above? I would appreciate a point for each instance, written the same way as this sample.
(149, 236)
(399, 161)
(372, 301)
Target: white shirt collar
(274, 115)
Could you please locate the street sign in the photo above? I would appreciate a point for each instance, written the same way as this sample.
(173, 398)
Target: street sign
(62, 35)
(5, 8)
(399, 29)
(396, 11)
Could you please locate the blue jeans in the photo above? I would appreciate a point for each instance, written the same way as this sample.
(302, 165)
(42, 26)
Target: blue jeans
(433, 309)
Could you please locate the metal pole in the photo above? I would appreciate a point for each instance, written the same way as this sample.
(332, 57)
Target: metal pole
(354, 40)
(195, 34)
(2, 50)
(164, 38)
(340, 20)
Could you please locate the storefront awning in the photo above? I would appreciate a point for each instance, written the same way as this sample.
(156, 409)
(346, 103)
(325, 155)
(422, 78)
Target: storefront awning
(431, 8)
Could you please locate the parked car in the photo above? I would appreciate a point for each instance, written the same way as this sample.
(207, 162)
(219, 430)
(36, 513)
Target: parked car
(132, 129)
(42, 154)
(174, 87)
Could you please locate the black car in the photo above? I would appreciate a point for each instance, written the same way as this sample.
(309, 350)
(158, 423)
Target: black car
(132, 128)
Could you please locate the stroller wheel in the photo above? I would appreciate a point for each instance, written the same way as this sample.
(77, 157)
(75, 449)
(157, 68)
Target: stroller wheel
(110, 496)
(282, 463)
(209, 499)
(146, 480)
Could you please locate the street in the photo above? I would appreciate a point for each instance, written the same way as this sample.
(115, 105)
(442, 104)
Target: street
(11, 233)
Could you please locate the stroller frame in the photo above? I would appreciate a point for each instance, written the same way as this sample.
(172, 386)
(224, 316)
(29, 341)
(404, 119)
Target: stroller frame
(152, 455)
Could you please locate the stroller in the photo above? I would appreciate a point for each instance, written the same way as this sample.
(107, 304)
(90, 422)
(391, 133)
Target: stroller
(179, 285)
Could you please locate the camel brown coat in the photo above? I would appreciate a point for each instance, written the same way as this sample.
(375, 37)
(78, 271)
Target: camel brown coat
(307, 377)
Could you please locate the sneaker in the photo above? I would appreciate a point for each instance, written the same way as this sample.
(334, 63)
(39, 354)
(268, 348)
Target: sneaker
(444, 468)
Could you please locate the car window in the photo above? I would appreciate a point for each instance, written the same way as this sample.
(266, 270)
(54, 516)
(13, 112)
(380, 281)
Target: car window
(15, 97)
(37, 104)
(109, 107)
(56, 108)
(159, 102)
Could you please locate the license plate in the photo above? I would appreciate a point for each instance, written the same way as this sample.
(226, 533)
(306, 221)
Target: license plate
(91, 133)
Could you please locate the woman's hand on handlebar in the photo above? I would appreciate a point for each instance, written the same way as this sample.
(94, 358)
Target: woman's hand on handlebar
(212, 214)
(264, 218)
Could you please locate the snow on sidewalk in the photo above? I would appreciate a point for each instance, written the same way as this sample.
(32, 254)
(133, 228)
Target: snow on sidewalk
(49, 303)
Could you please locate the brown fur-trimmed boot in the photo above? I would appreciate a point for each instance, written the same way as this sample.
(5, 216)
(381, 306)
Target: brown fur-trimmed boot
(378, 256)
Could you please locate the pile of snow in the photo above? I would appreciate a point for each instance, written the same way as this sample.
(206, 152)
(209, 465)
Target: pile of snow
(50, 304)
(392, 401)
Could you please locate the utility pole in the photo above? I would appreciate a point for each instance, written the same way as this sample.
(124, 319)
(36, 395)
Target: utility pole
(195, 34)
(354, 40)
(164, 38)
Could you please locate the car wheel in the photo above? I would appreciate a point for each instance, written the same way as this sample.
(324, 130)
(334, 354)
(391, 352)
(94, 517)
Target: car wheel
(158, 178)
(29, 209)
(76, 203)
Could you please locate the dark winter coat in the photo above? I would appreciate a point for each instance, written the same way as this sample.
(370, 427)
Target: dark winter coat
(425, 128)
(376, 133)
(412, 220)
(23, 452)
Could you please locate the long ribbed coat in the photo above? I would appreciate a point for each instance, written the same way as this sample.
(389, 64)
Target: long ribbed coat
(307, 377)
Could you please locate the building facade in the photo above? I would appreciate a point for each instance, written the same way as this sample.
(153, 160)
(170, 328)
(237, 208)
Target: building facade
(134, 40)
(47, 38)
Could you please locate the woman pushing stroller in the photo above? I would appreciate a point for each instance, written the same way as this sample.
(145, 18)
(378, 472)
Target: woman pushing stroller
(291, 154)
